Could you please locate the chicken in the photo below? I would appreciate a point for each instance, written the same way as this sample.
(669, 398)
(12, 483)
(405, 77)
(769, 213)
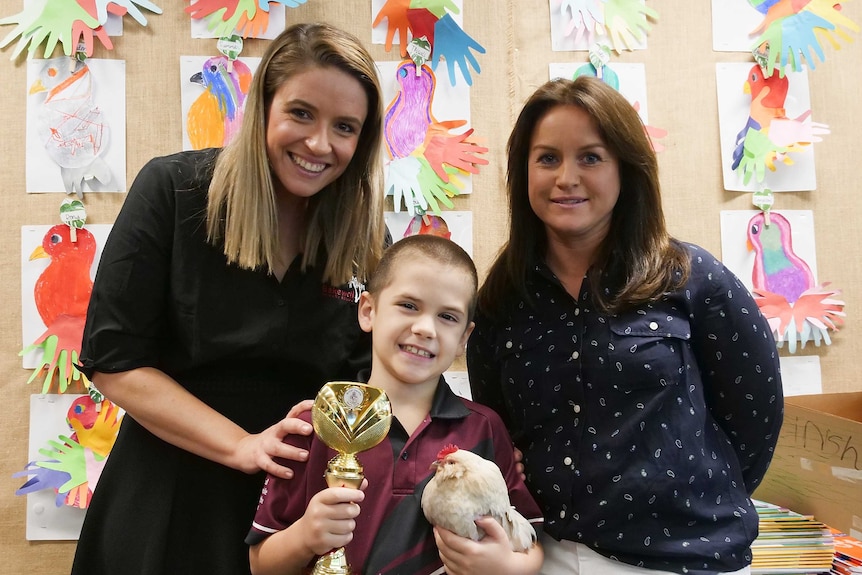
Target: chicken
(465, 487)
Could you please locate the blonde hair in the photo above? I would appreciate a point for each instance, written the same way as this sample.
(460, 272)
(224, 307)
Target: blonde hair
(344, 228)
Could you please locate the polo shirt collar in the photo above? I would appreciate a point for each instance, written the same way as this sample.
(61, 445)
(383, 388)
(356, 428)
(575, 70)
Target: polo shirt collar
(444, 405)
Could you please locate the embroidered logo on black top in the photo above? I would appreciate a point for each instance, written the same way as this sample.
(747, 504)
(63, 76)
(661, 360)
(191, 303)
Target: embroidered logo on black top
(350, 292)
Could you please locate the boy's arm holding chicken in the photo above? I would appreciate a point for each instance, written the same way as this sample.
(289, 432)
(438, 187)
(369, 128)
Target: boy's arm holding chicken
(476, 527)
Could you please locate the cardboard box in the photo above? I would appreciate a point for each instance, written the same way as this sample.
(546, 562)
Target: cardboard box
(817, 467)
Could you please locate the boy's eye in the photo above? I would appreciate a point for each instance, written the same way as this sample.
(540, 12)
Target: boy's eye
(449, 317)
(407, 305)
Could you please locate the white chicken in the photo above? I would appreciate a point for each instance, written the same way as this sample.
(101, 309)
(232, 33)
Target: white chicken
(465, 487)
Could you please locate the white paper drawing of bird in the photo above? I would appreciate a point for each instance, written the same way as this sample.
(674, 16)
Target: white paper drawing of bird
(71, 125)
(467, 486)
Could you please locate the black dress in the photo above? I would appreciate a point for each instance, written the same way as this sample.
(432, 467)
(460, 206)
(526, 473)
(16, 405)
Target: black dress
(241, 341)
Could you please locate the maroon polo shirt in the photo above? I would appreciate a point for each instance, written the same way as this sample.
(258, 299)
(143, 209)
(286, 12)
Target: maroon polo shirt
(392, 535)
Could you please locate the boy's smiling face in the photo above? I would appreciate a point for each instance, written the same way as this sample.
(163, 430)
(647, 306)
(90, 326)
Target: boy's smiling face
(419, 321)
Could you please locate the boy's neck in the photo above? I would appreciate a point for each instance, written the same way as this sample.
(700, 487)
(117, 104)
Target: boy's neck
(410, 403)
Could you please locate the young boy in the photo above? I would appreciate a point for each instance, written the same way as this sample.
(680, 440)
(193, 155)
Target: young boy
(419, 307)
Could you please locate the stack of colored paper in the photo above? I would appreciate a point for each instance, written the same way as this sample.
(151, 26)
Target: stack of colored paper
(848, 554)
(790, 543)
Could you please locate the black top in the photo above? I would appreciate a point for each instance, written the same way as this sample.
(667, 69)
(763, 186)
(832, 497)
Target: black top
(644, 432)
(246, 344)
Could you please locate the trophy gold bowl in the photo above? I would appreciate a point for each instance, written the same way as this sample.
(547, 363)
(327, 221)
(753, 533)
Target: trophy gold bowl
(350, 418)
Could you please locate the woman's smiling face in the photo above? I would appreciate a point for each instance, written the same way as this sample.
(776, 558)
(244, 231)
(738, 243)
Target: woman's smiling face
(313, 128)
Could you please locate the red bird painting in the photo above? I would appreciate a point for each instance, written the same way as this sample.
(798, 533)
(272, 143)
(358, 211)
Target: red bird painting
(62, 294)
(795, 306)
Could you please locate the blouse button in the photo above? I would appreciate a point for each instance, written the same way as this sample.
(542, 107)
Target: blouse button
(575, 355)
(508, 345)
(576, 408)
(567, 460)
(562, 514)
(653, 325)
(577, 311)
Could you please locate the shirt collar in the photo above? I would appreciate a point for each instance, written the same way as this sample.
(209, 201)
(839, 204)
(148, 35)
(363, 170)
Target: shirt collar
(444, 405)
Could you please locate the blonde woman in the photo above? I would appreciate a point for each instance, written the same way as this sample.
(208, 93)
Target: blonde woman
(226, 294)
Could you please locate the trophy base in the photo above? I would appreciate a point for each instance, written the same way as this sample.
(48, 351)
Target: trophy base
(333, 563)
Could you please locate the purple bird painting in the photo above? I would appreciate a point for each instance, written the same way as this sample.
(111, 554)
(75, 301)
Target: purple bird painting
(794, 304)
(215, 116)
(425, 158)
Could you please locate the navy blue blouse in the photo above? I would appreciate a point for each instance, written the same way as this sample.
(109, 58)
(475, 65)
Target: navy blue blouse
(644, 432)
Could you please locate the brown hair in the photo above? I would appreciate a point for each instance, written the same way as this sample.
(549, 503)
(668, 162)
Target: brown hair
(638, 260)
(345, 219)
(435, 248)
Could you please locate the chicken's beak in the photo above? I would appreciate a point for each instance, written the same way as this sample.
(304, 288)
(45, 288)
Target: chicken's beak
(435, 464)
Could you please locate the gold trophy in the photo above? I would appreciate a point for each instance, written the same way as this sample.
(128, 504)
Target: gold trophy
(349, 417)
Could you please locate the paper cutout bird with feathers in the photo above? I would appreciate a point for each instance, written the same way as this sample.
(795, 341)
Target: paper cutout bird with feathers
(769, 135)
(75, 461)
(71, 125)
(425, 155)
(215, 116)
(62, 294)
(246, 18)
(794, 304)
(72, 23)
(791, 29)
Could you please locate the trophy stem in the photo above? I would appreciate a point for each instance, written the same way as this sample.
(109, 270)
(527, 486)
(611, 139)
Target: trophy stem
(344, 470)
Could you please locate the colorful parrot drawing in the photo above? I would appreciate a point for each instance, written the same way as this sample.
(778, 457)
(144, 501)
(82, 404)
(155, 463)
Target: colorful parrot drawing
(431, 26)
(425, 158)
(791, 29)
(70, 124)
(427, 224)
(75, 461)
(795, 306)
(73, 23)
(215, 116)
(62, 294)
(625, 23)
(769, 135)
(610, 77)
(246, 18)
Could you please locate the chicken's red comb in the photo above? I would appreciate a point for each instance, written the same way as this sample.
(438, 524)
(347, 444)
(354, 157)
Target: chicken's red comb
(451, 448)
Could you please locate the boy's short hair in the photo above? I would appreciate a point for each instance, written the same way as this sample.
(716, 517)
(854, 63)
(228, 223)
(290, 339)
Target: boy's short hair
(441, 250)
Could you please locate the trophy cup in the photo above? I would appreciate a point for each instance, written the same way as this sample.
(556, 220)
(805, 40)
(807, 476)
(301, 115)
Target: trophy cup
(349, 417)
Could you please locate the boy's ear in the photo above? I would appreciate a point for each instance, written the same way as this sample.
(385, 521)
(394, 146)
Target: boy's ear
(366, 311)
(462, 345)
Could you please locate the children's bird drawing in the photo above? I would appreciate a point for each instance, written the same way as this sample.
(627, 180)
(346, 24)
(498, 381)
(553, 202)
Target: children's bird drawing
(791, 29)
(425, 156)
(62, 294)
(75, 461)
(795, 306)
(215, 116)
(769, 135)
(72, 23)
(71, 126)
